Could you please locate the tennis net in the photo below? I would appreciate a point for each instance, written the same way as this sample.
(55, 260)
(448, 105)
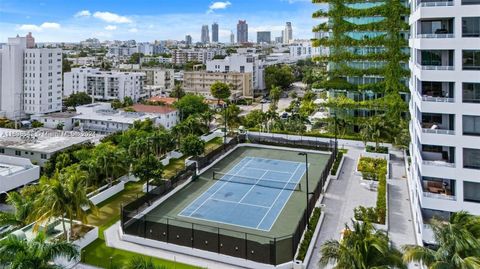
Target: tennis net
(268, 183)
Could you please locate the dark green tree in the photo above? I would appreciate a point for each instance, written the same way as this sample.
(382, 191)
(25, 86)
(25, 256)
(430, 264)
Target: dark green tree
(192, 145)
(77, 99)
(220, 91)
(278, 75)
(190, 104)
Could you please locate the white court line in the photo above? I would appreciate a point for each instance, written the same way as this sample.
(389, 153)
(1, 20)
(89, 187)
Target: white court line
(229, 223)
(251, 188)
(194, 201)
(233, 202)
(278, 160)
(284, 204)
(253, 168)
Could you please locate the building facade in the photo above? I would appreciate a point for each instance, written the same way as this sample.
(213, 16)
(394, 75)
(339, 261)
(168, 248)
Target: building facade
(205, 38)
(288, 33)
(30, 78)
(264, 37)
(105, 85)
(215, 32)
(199, 82)
(445, 110)
(242, 32)
(188, 40)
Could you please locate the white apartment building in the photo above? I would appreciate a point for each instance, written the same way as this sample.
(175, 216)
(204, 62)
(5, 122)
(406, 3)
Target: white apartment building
(241, 63)
(200, 82)
(16, 172)
(183, 56)
(301, 50)
(105, 85)
(30, 78)
(158, 80)
(445, 110)
(84, 61)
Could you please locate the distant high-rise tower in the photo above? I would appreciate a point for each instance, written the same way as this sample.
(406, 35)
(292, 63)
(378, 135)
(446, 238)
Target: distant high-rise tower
(288, 33)
(30, 41)
(242, 32)
(205, 35)
(215, 32)
(264, 37)
(188, 40)
(232, 38)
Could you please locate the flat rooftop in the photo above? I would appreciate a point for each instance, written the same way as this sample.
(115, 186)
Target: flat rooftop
(42, 139)
(60, 115)
(116, 116)
(10, 169)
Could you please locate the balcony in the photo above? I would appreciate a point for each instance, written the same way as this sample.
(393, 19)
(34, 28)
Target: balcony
(440, 92)
(433, 123)
(435, 59)
(434, 3)
(438, 188)
(435, 28)
(438, 155)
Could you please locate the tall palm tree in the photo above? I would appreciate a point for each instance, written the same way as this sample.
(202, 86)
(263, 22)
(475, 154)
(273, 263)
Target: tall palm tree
(22, 209)
(362, 247)
(37, 253)
(458, 244)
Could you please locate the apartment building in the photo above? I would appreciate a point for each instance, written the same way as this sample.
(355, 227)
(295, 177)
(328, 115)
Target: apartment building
(183, 56)
(157, 80)
(30, 78)
(105, 85)
(241, 63)
(199, 82)
(445, 110)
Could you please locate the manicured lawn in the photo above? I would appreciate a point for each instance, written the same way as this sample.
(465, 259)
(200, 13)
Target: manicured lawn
(213, 144)
(98, 254)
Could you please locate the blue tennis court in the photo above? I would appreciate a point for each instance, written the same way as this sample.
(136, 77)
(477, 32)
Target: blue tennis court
(252, 194)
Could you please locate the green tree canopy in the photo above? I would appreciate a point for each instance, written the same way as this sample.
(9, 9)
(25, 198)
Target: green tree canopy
(192, 145)
(135, 58)
(191, 104)
(279, 75)
(78, 99)
(147, 168)
(220, 91)
(177, 92)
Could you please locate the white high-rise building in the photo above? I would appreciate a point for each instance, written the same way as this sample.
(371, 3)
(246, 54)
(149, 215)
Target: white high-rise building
(30, 78)
(445, 110)
(105, 85)
(287, 33)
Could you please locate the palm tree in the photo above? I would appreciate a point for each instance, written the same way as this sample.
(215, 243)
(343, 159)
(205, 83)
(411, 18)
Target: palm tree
(207, 117)
(22, 209)
(275, 93)
(362, 247)
(37, 253)
(458, 244)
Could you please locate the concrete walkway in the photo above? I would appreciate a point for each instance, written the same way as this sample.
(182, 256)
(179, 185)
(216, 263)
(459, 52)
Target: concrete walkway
(112, 239)
(342, 196)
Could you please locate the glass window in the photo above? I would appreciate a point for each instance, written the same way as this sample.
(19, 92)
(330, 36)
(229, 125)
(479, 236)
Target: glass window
(471, 92)
(471, 60)
(18, 153)
(471, 192)
(471, 158)
(471, 125)
(470, 2)
(471, 27)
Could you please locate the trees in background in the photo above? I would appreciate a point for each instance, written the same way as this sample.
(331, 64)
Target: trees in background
(177, 92)
(135, 58)
(192, 145)
(148, 167)
(279, 75)
(77, 99)
(190, 104)
(220, 91)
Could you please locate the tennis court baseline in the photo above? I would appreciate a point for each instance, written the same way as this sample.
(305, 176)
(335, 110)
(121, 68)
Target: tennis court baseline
(251, 195)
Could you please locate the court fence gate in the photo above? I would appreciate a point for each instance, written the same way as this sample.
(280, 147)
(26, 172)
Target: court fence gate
(262, 249)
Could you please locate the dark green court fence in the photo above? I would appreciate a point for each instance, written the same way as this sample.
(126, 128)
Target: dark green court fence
(242, 245)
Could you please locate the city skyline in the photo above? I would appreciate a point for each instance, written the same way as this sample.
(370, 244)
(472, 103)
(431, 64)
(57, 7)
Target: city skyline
(52, 22)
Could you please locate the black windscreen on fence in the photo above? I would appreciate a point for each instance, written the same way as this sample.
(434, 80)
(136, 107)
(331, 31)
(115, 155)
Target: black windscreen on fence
(213, 239)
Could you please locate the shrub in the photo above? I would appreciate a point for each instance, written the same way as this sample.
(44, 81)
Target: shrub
(383, 150)
(336, 163)
(302, 251)
(367, 214)
(370, 167)
(382, 198)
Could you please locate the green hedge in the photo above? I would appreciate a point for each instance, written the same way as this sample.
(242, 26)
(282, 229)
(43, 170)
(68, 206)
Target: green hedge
(383, 150)
(377, 214)
(371, 168)
(309, 234)
(336, 163)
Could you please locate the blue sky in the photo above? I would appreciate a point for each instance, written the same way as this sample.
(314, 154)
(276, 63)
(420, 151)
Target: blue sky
(148, 20)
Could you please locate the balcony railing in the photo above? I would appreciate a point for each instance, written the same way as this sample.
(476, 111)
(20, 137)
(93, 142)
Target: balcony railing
(436, 4)
(438, 131)
(439, 196)
(436, 67)
(427, 98)
(440, 163)
(436, 35)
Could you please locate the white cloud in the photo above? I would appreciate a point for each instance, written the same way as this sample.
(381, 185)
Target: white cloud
(111, 27)
(218, 5)
(30, 27)
(83, 13)
(133, 30)
(111, 17)
(39, 28)
(50, 25)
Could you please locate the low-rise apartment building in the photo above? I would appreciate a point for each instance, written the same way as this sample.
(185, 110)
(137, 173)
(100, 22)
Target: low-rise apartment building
(16, 172)
(199, 82)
